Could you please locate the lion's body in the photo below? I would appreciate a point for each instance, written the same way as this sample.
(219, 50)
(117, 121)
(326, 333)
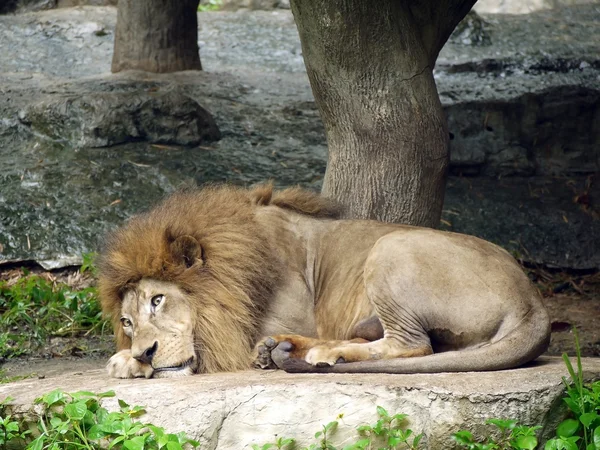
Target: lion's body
(280, 264)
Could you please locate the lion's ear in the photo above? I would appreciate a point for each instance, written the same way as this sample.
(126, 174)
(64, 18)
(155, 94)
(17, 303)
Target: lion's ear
(186, 250)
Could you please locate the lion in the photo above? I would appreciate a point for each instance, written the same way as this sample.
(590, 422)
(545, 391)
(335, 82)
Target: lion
(223, 278)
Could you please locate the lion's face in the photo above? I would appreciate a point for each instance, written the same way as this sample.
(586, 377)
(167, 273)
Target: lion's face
(157, 317)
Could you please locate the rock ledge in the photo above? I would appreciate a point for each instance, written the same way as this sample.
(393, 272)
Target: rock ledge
(232, 411)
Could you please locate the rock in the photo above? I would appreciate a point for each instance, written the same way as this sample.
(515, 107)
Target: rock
(71, 3)
(106, 119)
(250, 4)
(523, 6)
(23, 6)
(543, 132)
(235, 410)
(522, 112)
(471, 31)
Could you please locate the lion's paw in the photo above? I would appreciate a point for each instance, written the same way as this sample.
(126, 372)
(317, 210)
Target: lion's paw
(123, 365)
(271, 354)
(324, 356)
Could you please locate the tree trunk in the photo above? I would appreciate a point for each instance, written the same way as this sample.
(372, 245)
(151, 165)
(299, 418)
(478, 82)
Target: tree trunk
(370, 65)
(156, 36)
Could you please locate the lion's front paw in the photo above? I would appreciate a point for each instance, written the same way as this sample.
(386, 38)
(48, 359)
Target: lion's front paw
(270, 353)
(123, 365)
(324, 356)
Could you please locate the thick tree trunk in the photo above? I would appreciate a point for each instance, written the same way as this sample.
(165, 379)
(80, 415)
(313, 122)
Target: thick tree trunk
(156, 36)
(370, 67)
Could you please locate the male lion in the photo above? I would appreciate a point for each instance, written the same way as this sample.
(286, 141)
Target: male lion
(195, 284)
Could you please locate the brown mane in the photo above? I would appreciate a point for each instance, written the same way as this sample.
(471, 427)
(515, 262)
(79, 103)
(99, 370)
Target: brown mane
(230, 290)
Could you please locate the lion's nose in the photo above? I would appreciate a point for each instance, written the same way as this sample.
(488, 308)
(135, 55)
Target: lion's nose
(147, 355)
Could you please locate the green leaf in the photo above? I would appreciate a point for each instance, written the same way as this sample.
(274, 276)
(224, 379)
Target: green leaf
(51, 398)
(382, 412)
(463, 437)
(394, 440)
(136, 443)
(95, 433)
(55, 422)
(331, 426)
(174, 446)
(106, 394)
(587, 418)
(115, 441)
(38, 444)
(567, 428)
(596, 438)
(502, 424)
(526, 442)
(76, 410)
(124, 406)
(416, 440)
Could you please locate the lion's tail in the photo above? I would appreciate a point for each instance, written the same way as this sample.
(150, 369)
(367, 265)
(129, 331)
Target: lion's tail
(523, 344)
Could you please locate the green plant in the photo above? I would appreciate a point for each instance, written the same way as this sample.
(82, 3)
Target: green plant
(581, 432)
(387, 431)
(324, 442)
(9, 428)
(78, 421)
(280, 443)
(210, 5)
(35, 307)
(89, 263)
(512, 436)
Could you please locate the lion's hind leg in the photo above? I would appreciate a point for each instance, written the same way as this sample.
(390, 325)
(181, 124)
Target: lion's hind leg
(386, 348)
(272, 352)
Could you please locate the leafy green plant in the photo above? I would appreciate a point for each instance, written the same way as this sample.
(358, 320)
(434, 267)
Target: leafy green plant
(512, 436)
(322, 436)
(582, 430)
(89, 263)
(9, 428)
(280, 443)
(389, 431)
(78, 421)
(34, 308)
(210, 5)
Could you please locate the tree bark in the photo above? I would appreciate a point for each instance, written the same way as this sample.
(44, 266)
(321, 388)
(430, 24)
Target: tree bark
(156, 36)
(370, 66)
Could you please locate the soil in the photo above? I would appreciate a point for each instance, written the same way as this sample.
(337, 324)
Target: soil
(572, 300)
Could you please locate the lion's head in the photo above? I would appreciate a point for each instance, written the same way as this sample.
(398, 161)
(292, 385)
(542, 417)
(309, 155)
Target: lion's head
(186, 284)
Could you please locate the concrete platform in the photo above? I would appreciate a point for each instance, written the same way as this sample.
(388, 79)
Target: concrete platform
(234, 410)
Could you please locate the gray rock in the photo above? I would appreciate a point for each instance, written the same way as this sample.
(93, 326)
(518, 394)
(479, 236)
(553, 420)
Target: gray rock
(471, 31)
(110, 118)
(23, 6)
(524, 6)
(235, 410)
(520, 110)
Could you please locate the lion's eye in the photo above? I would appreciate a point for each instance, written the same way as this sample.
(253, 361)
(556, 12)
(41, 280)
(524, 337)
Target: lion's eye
(125, 322)
(157, 300)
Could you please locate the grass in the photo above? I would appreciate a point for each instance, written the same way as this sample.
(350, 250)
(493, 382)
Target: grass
(35, 308)
(210, 5)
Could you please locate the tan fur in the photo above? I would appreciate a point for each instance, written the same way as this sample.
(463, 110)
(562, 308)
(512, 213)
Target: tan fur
(245, 264)
(230, 292)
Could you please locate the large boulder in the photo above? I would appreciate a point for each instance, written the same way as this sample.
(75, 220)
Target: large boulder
(231, 411)
(110, 118)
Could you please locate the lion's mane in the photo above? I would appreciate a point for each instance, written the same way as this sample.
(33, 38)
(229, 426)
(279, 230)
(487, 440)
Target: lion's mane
(228, 294)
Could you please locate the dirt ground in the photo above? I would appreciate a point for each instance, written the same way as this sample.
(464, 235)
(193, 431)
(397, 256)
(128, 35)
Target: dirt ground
(573, 300)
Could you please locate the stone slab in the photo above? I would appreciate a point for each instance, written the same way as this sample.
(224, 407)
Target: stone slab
(235, 410)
